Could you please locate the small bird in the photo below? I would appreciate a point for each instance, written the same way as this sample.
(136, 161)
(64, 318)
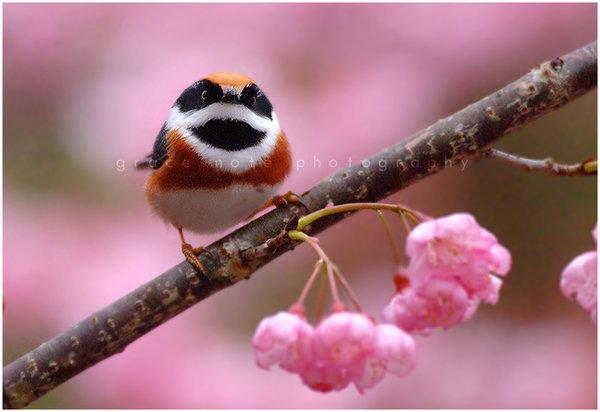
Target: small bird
(220, 157)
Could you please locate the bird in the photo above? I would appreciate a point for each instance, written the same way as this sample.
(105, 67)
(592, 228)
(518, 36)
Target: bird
(219, 158)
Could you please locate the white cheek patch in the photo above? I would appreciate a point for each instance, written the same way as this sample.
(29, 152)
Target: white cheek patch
(238, 161)
(224, 111)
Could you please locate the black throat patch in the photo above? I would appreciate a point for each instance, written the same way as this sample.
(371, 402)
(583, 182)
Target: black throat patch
(229, 135)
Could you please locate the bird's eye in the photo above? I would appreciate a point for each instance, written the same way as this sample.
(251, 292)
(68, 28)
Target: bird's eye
(248, 99)
(254, 99)
(198, 96)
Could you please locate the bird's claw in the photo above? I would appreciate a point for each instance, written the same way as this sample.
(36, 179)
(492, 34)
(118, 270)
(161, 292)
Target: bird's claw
(190, 255)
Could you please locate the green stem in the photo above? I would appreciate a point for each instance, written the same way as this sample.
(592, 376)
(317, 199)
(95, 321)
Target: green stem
(297, 235)
(350, 207)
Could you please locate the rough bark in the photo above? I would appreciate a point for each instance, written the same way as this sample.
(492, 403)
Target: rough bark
(467, 133)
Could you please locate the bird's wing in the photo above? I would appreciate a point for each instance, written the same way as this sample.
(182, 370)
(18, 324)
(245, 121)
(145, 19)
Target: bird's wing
(159, 152)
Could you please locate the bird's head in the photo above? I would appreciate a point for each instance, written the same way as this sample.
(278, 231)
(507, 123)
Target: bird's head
(224, 111)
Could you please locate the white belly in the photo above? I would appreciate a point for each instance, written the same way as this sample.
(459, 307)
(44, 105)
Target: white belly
(210, 211)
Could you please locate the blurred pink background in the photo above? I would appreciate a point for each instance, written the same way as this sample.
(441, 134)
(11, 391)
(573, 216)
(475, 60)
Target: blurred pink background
(87, 88)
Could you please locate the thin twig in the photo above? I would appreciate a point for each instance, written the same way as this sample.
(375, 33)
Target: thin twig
(466, 133)
(585, 168)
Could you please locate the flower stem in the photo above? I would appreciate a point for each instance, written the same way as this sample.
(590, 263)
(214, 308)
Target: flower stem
(320, 298)
(309, 283)
(347, 288)
(297, 235)
(405, 223)
(313, 242)
(390, 236)
(349, 207)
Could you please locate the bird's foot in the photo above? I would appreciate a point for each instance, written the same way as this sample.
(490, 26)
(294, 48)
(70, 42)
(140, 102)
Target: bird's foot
(191, 255)
(288, 198)
(278, 200)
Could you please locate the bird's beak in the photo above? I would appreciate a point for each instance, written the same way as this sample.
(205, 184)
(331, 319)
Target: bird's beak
(231, 97)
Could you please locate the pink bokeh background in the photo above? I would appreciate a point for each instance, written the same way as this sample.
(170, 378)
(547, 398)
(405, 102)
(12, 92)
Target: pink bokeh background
(87, 88)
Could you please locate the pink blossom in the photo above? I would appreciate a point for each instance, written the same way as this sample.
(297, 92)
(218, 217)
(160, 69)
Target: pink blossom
(501, 260)
(471, 310)
(341, 344)
(343, 338)
(437, 303)
(395, 348)
(349, 347)
(456, 246)
(345, 348)
(282, 339)
(491, 293)
(579, 279)
(393, 351)
(323, 377)
(370, 372)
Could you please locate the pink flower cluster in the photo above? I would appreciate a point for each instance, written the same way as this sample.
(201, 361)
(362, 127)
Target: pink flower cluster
(454, 264)
(579, 279)
(452, 268)
(344, 348)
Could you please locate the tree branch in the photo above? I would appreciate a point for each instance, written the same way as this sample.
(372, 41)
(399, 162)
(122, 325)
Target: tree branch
(235, 257)
(585, 168)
